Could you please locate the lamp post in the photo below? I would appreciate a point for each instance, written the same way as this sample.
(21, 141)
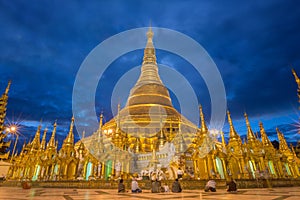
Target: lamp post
(13, 129)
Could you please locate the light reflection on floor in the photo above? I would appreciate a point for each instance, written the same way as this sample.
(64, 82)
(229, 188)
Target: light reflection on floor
(14, 193)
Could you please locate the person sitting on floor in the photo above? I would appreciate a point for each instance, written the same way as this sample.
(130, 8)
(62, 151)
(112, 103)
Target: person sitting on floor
(155, 186)
(231, 186)
(176, 187)
(165, 188)
(135, 186)
(210, 186)
(121, 186)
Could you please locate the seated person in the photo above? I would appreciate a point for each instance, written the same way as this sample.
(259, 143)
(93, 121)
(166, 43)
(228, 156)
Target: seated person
(176, 187)
(121, 186)
(210, 186)
(135, 186)
(155, 186)
(165, 188)
(231, 186)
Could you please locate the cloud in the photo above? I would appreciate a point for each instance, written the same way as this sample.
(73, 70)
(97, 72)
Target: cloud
(253, 44)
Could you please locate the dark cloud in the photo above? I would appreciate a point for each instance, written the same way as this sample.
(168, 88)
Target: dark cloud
(254, 45)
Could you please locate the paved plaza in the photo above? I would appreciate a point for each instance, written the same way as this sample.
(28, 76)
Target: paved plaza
(16, 193)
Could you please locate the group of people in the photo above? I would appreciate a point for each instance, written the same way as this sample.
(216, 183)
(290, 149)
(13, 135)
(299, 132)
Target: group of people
(211, 186)
(156, 187)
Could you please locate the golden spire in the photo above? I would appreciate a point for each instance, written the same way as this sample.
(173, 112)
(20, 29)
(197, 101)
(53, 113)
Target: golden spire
(101, 121)
(298, 83)
(70, 137)
(43, 143)
(282, 142)
(51, 143)
(223, 139)
(35, 144)
(250, 134)
(296, 77)
(232, 132)
(149, 70)
(149, 88)
(7, 88)
(264, 137)
(149, 52)
(203, 124)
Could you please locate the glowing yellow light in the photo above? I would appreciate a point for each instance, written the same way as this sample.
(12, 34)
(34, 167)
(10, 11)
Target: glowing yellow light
(13, 128)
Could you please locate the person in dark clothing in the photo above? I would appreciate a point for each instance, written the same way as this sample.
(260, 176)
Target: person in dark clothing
(176, 187)
(121, 186)
(155, 186)
(231, 186)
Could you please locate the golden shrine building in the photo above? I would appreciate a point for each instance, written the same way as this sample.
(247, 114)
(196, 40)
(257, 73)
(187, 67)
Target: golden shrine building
(164, 145)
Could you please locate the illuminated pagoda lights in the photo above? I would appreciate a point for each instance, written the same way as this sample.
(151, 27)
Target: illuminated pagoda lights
(133, 142)
(297, 148)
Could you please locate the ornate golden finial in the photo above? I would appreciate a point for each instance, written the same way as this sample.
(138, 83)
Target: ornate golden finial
(149, 52)
(35, 144)
(203, 124)
(70, 137)
(232, 132)
(150, 33)
(7, 88)
(264, 137)
(250, 134)
(43, 143)
(282, 142)
(51, 143)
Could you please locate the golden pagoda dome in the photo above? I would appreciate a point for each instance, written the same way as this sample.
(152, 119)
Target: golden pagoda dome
(149, 114)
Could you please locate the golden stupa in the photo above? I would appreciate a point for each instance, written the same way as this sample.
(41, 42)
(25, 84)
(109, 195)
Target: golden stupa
(149, 119)
(149, 137)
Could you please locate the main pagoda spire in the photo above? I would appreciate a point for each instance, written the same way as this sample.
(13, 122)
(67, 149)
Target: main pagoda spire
(149, 70)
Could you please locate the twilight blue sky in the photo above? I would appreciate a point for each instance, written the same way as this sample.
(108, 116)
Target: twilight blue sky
(254, 45)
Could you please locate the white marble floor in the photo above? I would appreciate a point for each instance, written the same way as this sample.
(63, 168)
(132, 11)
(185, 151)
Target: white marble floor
(14, 193)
